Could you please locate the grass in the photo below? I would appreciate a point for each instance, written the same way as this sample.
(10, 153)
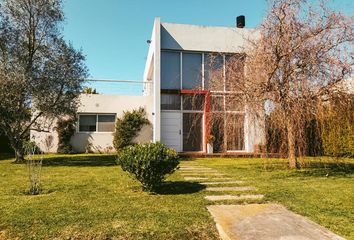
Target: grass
(322, 191)
(90, 197)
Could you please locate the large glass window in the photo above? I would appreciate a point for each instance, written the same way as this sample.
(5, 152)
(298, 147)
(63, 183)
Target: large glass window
(87, 123)
(192, 132)
(170, 101)
(214, 72)
(170, 70)
(97, 122)
(191, 70)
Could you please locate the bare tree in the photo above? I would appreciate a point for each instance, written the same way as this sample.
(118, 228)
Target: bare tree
(41, 75)
(293, 68)
(304, 52)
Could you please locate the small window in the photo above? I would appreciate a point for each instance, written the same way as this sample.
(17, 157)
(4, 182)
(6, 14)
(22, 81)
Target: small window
(87, 123)
(97, 122)
(193, 102)
(106, 123)
(170, 102)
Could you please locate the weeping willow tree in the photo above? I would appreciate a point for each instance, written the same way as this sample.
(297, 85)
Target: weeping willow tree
(290, 76)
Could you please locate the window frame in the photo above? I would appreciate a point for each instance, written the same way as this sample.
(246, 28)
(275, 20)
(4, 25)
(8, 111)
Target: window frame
(97, 114)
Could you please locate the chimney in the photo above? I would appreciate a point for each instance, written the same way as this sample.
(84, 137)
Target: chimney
(240, 21)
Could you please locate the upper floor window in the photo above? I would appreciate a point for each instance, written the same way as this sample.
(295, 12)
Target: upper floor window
(96, 122)
(170, 70)
(191, 70)
(214, 72)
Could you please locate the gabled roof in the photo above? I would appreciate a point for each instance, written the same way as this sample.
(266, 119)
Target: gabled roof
(205, 38)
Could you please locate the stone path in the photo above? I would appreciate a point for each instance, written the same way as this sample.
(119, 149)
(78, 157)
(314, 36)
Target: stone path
(266, 222)
(250, 221)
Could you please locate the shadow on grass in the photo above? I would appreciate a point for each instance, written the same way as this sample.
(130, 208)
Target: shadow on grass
(179, 187)
(6, 156)
(322, 169)
(81, 161)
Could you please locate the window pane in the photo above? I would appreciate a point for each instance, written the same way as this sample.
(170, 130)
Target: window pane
(170, 70)
(191, 70)
(170, 102)
(235, 132)
(214, 72)
(217, 103)
(234, 103)
(193, 102)
(106, 123)
(87, 123)
(217, 130)
(192, 131)
(234, 68)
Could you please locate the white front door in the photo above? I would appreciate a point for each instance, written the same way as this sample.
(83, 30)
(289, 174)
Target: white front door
(171, 130)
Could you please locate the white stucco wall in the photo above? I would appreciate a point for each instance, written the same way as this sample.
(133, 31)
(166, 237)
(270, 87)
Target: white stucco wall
(97, 103)
(205, 38)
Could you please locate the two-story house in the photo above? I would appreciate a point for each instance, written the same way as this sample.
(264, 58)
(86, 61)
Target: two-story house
(177, 72)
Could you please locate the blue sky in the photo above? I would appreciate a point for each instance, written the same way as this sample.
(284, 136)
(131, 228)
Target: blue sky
(113, 33)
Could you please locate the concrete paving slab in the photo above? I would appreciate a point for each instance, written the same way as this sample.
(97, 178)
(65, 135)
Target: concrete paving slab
(266, 222)
(203, 173)
(219, 183)
(220, 178)
(197, 170)
(225, 189)
(233, 197)
(195, 178)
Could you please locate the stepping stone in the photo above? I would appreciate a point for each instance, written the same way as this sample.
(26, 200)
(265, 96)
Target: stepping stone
(220, 178)
(222, 189)
(195, 178)
(194, 168)
(219, 183)
(232, 197)
(266, 222)
(198, 170)
(198, 174)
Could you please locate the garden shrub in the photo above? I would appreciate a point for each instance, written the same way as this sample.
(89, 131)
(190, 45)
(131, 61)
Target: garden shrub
(65, 129)
(148, 163)
(128, 126)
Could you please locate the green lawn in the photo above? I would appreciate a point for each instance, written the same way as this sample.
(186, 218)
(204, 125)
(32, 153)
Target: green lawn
(89, 197)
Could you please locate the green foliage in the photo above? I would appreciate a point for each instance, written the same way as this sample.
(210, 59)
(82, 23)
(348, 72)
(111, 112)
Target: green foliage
(148, 163)
(65, 129)
(128, 127)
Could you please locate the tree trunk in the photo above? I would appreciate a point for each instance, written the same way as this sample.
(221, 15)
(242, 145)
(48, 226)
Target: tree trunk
(291, 146)
(19, 153)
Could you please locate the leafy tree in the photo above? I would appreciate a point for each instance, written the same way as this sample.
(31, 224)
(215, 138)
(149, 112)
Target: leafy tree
(89, 90)
(41, 76)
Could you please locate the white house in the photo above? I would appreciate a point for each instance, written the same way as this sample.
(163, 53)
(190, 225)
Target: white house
(175, 67)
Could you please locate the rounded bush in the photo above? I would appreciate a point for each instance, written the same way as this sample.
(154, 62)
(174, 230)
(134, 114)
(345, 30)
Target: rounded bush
(148, 163)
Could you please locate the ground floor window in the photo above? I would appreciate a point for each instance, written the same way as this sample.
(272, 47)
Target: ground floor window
(192, 132)
(96, 122)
